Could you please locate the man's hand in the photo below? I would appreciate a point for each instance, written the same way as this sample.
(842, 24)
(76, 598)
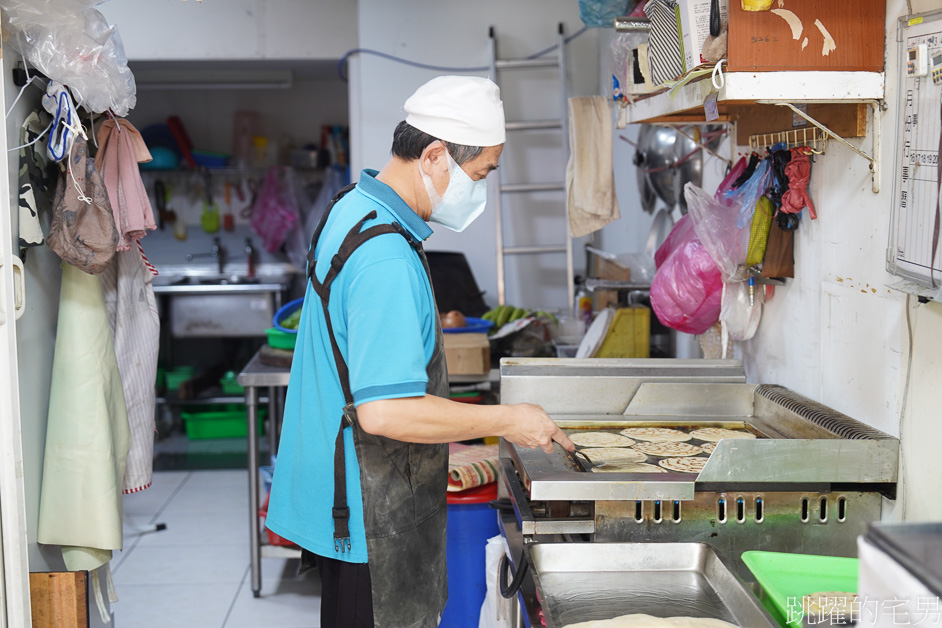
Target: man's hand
(529, 426)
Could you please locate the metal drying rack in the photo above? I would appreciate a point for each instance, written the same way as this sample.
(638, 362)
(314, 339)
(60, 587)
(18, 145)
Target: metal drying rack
(812, 137)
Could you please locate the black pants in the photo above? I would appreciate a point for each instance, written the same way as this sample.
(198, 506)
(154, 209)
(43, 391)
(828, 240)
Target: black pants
(346, 597)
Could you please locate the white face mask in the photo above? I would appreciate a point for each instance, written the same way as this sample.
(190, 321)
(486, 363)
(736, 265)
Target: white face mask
(463, 201)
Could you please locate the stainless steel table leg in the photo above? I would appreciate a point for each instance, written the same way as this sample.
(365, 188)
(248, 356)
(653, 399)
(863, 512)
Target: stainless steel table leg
(273, 413)
(251, 407)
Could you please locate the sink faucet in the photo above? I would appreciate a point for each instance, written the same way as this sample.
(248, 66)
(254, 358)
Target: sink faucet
(250, 255)
(218, 253)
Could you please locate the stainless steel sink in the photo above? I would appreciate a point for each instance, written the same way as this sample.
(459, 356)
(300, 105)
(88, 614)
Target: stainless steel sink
(204, 303)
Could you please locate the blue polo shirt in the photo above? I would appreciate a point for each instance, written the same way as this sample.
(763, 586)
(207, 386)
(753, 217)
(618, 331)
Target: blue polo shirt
(383, 315)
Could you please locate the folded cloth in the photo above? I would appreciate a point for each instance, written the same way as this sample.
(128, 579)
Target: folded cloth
(120, 149)
(471, 466)
(590, 179)
(36, 182)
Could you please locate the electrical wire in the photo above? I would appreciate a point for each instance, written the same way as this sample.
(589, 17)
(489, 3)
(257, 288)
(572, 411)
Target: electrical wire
(341, 65)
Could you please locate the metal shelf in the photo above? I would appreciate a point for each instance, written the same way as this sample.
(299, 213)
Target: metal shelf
(748, 88)
(202, 401)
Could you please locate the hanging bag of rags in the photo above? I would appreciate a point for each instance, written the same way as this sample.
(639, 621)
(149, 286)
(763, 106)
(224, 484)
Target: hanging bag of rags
(82, 232)
(276, 210)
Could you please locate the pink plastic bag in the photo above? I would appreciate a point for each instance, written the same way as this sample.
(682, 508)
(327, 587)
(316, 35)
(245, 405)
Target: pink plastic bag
(687, 287)
(275, 211)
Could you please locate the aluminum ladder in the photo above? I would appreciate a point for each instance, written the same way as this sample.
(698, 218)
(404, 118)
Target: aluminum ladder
(521, 188)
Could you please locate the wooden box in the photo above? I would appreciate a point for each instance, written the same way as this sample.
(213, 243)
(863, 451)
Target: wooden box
(59, 599)
(762, 40)
(467, 354)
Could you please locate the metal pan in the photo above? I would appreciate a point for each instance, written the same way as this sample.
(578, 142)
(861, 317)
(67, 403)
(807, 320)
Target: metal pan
(591, 581)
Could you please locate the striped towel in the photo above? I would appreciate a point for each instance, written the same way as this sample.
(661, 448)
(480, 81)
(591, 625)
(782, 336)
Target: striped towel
(667, 58)
(471, 466)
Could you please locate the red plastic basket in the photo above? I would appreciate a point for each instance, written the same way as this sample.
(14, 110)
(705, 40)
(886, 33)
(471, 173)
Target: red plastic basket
(273, 539)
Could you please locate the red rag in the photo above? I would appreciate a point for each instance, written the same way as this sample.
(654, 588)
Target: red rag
(798, 171)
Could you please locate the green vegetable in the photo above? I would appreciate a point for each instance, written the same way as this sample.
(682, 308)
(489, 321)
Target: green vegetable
(291, 321)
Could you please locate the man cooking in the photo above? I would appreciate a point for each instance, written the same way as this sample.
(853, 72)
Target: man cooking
(369, 372)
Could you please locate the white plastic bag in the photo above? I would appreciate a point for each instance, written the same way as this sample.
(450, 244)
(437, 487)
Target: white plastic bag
(496, 610)
(71, 42)
(740, 318)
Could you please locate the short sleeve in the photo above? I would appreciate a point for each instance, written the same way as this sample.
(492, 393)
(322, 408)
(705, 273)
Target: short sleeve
(386, 332)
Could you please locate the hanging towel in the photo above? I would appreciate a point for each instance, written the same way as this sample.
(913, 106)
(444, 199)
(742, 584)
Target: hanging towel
(120, 149)
(135, 326)
(87, 432)
(590, 179)
(36, 183)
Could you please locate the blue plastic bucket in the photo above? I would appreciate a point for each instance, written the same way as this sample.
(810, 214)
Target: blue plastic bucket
(471, 522)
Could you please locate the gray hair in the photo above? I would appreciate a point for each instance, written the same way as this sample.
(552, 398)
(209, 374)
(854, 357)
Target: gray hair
(409, 142)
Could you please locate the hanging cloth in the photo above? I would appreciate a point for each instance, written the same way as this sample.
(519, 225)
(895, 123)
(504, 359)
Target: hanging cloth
(35, 183)
(135, 325)
(798, 171)
(120, 149)
(87, 434)
(590, 178)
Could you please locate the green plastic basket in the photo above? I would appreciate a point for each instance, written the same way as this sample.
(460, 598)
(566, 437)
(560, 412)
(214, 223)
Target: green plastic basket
(211, 422)
(229, 384)
(786, 578)
(177, 375)
(278, 339)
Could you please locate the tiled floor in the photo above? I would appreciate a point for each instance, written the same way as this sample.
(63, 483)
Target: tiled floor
(196, 573)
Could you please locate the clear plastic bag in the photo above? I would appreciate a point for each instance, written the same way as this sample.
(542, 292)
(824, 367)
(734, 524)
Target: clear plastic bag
(687, 287)
(71, 42)
(747, 195)
(715, 224)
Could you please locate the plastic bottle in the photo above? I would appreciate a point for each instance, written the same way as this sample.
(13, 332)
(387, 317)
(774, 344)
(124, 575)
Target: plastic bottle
(584, 305)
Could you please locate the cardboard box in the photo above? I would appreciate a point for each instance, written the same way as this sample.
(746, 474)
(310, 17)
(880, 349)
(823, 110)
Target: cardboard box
(467, 354)
(611, 269)
(695, 28)
(629, 335)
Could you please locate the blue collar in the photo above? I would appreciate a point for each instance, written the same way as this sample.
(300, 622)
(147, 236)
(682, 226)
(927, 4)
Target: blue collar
(382, 193)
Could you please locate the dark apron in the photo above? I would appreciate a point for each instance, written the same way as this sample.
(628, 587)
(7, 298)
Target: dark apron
(403, 484)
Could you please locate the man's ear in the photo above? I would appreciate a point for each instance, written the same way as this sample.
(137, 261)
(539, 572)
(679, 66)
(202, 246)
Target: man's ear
(431, 156)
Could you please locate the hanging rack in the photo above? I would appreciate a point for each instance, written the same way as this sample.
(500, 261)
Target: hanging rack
(812, 137)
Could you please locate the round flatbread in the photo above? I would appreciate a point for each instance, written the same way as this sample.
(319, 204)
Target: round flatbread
(600, 439)
(684, 465)
(647, 621)
(600, 455)
(708, 447)
(714, 434)
(627, 467)
(656, 434)
(668, 449)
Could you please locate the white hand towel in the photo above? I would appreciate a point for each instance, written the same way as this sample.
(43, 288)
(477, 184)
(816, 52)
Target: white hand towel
(590, 179)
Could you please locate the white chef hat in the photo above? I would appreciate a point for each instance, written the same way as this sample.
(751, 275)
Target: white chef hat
(458, 109)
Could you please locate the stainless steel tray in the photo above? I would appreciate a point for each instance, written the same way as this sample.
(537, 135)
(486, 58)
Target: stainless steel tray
(590, 581)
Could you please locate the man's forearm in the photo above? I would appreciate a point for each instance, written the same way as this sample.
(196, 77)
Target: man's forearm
(432, 419)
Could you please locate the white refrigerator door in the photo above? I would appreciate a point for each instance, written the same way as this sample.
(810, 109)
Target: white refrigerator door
(14, 575)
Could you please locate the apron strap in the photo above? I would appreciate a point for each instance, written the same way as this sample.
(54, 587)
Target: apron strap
(353, 240)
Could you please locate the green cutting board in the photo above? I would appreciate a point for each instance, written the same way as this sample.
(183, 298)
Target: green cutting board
(786, 578)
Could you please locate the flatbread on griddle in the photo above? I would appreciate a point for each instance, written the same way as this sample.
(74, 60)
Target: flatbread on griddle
(647, 621)
(656, 434)
(684, 465)
(708, 447)
(599, 455)
(668, 449)
(600, 439)
(715, 434)
(627, 467)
